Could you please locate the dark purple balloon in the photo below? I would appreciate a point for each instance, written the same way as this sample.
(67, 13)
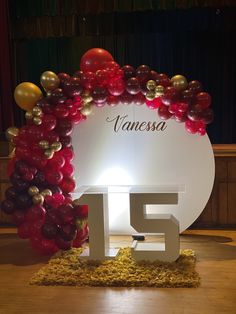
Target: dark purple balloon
(24, 201)
(8, 207)
(49, 230)
(11, 193)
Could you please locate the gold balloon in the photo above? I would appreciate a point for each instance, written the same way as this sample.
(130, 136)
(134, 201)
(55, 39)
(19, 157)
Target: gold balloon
(150, 95)
(159, 90)
(49, 153)
(43, 144)
(37, 111)
(86, 110)
(37, 120)
(46, 192)
(28, 115)
(33, 190)
(56, 146)
(87, 99)
(26, 95)
(151, 85)
(38, 199)
(179, 82)
(80, 224)
(49, 80)
(76, 202)
(11, 133)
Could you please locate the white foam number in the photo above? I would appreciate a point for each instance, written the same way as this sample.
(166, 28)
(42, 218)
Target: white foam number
(139, 220)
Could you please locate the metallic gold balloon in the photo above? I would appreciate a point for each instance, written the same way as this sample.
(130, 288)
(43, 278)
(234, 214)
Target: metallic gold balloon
(37, 111)
(46, 192)
(37, 120)
(80, 224)
(179, 82)
(76, 202)
(159, 90)
(56, 146)
(38, 199)
(86, 110)
(151, 85)
(11, 133)
(26, 95)
(49, 80)
(33, 190)
(87, 99)
(28, 115)
(49, 153)
(43, 144)
(150, 95)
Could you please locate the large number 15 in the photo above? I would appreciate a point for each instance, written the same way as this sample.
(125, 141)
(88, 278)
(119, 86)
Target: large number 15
(139, 220)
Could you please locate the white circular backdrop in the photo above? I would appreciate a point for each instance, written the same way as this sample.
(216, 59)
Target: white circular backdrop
(106, 154)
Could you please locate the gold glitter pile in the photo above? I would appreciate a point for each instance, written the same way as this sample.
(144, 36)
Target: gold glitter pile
(68, 270)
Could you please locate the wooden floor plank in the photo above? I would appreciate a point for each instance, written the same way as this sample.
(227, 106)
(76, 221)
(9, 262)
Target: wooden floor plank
(216, 254)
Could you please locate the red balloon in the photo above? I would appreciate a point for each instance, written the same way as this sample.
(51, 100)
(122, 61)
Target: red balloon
(81, 211)
(102, 77)
(88, 80)
(162, 79)
(203, 99)
(67, 153)
(116, 87)
(61, 111)
(112, 101)
(57, 162)
(36, 212)
(18, 217)
(49, 121)
(154, 104)
(53, 177)
(67, 185)
(24, 230)
(68, 170)
(170, 96)
(95, 59)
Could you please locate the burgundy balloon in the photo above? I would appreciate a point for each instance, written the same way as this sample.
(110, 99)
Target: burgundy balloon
(142, 72)
(99, 94)
(61, 111)
(88, 80)
(170, 95)
(195, 113)
(129, 71)
(45, 105)
(49, 122)
(78, 74)
(57, 96)
(163, 79)
(57, 162)
(68, 232)
(51, 137)
(187, 96)
(65, 141)
(24, 230)
(73, 86)
(63, 77)
(195, 86)
(207, 116)
(133, 86)
(19, 184)
(68, 170)
(39, 179)
(164, 113)
(64, 127)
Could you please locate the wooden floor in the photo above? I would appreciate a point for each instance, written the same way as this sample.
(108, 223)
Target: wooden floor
(216, 254)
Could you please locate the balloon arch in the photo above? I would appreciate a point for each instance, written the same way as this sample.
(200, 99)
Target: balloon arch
(41, 172)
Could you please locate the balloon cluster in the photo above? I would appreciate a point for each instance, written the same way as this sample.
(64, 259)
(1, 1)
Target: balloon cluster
(41, 171)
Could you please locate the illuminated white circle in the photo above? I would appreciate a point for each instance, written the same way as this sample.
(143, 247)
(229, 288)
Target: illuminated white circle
(108, 153)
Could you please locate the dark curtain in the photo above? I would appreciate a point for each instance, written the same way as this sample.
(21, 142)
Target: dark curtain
(198, 43)
(6, 84)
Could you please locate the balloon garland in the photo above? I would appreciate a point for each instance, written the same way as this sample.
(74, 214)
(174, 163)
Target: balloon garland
(41, 172)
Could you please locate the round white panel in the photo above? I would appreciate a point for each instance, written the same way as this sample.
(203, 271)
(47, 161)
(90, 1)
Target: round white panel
(111, 151)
